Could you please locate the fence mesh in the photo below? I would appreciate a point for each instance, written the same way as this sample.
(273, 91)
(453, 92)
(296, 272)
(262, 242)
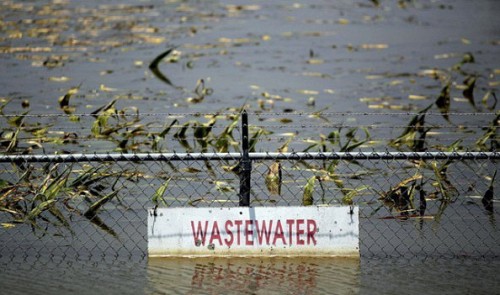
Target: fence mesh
(411, 204)
(63, 194)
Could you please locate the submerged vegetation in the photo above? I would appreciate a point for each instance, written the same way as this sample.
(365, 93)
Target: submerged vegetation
(48, 198)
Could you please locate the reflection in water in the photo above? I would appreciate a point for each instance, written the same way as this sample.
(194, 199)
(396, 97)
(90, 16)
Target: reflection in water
(135, 275)
(253, 275)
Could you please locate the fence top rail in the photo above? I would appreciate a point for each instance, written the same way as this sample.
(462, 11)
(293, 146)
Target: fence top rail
(144, 157)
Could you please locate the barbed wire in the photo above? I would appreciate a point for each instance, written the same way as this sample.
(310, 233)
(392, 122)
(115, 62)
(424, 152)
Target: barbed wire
(173, 115)
(375, 114)
(296, 140)
(197, 114)
(90, 137)
(265, 126)
(63, 128)
(384, 139)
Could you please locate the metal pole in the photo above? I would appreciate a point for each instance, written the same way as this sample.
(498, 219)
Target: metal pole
(245, 164)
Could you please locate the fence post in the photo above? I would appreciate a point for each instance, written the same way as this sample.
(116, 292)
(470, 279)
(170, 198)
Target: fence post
(245, 163)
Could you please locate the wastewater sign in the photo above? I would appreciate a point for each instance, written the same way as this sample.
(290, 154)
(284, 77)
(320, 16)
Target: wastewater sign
(259, 231)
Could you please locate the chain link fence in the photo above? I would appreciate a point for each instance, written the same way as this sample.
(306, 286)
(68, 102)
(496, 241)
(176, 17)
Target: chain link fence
(416, 204)
(62, 194)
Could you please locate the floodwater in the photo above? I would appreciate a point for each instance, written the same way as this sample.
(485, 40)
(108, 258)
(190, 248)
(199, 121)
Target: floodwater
(270, 56)
(349, 56)
(249, 276)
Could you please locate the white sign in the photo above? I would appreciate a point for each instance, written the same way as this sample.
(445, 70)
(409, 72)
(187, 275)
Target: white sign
(247, 231)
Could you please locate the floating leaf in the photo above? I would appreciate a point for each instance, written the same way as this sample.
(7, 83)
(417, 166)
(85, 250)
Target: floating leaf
(486, 98)
(307, 198)
(200, 92)
(35, 212)
(236, 41)
(104, 88)
(467, 58)
(223, 187)
(487, 199)
(191, 170)
(151, 39)
(353, 142)
(400, 195)
(308, 92)
(92, 211)
(25, 103)
(17, 121)
(351, 193)
(284, 147)
(235, 168)
(285, 120)
(343, 21)
(158, 195)
(153, 66)
(409, 180)
(315, 61)
(167, 129)
(414, 127)
(13, 141)
(417, 97)
(201, 131)
(273, 179)
(59, 79)
(181, 134)
(105, 108)
(447, 190)
(85, 178)
(50, 188)
(3, 103)
(4, 184)
(7, 225)
(156, 139)
(39, 131)
(423, 201)
(100, 126)
(490, 134)
(225, 139)
(468, 92)
(435, 74)
(374, 46)
(443, 101)
(237, 8)
(255, 138)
